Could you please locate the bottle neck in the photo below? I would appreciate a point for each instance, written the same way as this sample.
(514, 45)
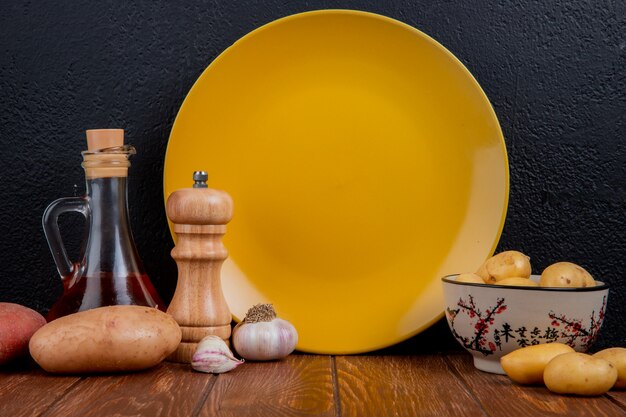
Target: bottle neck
(108, 203)
(106, 174)
(110, 246)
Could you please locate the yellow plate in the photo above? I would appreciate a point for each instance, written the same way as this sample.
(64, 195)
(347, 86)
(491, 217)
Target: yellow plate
(365, 163)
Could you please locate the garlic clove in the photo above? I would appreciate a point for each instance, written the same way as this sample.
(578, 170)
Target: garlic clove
(213, 356)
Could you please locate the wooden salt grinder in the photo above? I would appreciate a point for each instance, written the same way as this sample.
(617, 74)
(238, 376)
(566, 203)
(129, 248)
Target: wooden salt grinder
(199, 215)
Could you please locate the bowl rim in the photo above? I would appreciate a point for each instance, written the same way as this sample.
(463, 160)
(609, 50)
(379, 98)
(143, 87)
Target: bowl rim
(599, 287)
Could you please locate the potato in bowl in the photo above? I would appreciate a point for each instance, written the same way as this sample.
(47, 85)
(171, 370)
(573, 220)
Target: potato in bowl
(491, 320)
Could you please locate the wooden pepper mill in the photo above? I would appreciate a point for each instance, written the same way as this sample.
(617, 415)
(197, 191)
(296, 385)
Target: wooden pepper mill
(199, 215)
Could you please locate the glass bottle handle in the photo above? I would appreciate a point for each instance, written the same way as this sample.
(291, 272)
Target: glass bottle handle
(53, 235)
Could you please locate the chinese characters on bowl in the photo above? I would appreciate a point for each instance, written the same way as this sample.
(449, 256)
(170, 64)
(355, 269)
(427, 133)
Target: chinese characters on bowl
(490, 321)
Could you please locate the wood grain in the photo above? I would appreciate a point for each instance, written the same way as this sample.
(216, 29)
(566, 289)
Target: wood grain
(167, 390)
(300, 385)
(401, 385)
(618, 397)
(31, 392)
(296, 386)
(500, 396)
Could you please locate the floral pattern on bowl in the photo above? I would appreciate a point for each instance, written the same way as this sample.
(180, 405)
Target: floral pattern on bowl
(490, 321)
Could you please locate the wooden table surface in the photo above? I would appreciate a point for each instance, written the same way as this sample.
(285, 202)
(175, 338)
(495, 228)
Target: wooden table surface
(301, 385)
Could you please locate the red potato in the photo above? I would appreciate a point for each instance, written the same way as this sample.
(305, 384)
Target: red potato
(17, 325)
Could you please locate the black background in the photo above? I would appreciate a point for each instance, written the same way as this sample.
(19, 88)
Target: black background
(553, 70)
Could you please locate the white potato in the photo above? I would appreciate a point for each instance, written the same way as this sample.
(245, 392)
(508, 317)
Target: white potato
(470, 277)
(579, 374)
(518, 282)
(566, 274)
(526, 365)
(505, 265)
(617, 357)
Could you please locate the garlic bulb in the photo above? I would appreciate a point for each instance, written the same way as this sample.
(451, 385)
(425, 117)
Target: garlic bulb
(261, 336)
(213, 356)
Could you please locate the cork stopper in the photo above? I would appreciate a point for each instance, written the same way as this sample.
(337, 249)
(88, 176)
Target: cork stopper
(106, 156)
(199, 205)
(104, 138)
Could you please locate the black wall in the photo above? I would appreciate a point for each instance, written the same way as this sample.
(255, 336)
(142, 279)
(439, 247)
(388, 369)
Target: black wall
(553, 70)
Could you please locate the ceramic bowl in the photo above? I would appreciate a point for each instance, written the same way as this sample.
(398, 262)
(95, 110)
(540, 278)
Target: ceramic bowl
(490, 321)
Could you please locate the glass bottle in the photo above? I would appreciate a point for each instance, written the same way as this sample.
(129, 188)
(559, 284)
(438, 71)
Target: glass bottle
(109, 271)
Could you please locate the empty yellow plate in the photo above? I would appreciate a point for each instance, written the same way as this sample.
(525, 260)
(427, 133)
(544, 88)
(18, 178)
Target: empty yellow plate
(365, 162)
